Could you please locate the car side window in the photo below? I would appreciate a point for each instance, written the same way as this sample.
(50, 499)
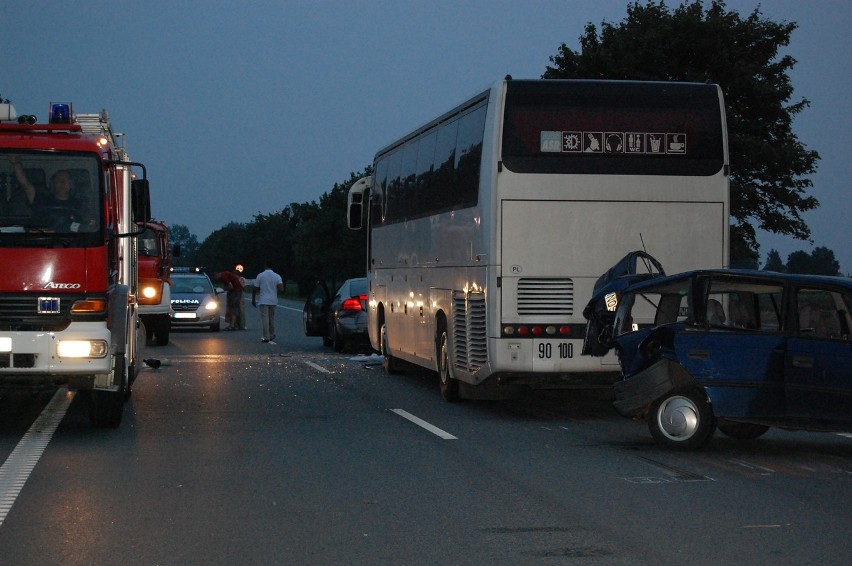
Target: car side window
(319, 295)
(823, 314)
(737, 303)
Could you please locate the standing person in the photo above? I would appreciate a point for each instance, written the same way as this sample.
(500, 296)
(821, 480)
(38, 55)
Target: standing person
(241, 319)
(234, 298)
(268, 284)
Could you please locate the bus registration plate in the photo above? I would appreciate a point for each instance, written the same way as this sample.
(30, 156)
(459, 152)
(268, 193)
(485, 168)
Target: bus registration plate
(552, 355)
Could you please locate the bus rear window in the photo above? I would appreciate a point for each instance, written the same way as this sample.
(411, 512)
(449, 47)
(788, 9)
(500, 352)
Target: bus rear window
(612, 127)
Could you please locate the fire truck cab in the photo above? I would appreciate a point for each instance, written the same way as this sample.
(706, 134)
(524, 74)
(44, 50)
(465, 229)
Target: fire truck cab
(69, 206)
(155, 263)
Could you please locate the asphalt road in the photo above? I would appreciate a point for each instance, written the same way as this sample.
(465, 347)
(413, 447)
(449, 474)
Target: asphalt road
(238, 452)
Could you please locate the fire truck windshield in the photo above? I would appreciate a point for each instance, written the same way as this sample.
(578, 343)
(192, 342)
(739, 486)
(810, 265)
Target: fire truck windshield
(49, 193)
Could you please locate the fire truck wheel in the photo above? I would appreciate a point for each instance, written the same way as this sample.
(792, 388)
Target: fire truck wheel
(106, 407)
(163, 329)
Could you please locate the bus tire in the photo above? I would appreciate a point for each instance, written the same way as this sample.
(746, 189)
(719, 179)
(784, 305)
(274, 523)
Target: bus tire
(448, 385)
(390, 363)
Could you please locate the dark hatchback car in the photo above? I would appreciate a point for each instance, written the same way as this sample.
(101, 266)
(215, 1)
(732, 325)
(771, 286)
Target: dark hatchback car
(739, 350)
(342, 319)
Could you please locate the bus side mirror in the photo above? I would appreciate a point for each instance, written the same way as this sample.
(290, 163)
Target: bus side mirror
(141, 200)
(355, 202)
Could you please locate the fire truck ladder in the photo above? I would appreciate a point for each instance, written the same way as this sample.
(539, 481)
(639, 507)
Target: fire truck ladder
(99, 125)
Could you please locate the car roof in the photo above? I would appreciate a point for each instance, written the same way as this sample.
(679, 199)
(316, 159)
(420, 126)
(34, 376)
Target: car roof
(752, 274)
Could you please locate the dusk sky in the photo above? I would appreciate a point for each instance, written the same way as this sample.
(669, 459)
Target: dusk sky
(241, 108)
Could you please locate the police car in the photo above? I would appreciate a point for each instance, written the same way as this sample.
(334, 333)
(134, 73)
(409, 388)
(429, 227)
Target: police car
(195, 302)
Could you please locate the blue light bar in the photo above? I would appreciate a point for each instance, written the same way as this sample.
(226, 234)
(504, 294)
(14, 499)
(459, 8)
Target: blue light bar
(60, 113)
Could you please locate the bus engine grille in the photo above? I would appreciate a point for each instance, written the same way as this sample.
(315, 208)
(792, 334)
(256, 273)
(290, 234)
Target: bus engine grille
(538, 296)
(469, 335)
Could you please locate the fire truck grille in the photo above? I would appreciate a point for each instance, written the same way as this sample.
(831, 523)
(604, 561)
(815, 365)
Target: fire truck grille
(17, 361)
(31, 312)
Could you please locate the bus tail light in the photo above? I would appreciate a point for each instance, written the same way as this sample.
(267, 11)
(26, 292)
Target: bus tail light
(576, 331)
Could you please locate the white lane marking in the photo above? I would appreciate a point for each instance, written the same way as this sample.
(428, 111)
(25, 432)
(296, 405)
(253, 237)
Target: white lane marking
(316, 367)
(247, 299)
(17, 468)
(420, 422)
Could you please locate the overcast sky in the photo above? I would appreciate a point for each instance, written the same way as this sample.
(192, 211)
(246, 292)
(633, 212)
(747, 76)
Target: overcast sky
(240, 108)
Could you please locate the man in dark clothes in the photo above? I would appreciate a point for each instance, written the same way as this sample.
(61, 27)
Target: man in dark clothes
(234, 286)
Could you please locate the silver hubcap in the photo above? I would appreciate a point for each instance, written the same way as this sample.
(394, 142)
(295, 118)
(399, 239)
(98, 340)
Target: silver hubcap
(678, 418)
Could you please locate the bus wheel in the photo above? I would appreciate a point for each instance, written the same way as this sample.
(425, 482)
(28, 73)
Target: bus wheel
(390, 363)
(449, 386)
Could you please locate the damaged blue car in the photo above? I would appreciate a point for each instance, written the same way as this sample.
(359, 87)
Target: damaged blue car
(737, 350)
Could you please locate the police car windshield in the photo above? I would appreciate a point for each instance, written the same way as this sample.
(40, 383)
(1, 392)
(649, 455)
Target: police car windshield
(191, 284)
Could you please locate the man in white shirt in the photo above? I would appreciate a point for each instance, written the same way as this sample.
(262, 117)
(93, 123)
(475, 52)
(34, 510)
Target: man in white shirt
(264, 295)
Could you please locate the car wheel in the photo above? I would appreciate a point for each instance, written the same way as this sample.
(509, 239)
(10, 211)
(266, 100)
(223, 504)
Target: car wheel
(390, 363)
(336, 342)
(449, 386)
(681, 419)
(742, 431)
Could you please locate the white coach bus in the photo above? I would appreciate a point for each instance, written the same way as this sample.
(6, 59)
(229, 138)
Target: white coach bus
(489, 225)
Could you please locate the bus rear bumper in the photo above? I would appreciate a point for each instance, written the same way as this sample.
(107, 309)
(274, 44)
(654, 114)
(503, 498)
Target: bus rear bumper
(509, 385)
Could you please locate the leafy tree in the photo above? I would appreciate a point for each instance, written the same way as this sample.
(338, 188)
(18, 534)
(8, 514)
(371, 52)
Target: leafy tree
(179, 234)
(820, 262)
(324, 246)
(774, 263)
(224, 248)
(270, 238)
(689, 43)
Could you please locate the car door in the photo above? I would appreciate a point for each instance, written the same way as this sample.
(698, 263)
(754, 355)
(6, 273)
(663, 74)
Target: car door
(316, 310)
(818, 365)
(739, 359)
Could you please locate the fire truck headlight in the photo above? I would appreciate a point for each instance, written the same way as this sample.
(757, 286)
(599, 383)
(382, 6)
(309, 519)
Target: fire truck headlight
(81, 348)
(149, 292)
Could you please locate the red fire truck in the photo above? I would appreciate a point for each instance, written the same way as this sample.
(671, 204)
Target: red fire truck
(69, 207)
(155, 262)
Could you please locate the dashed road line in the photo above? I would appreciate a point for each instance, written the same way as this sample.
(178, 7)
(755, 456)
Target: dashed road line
(420, 422)
(316, 366)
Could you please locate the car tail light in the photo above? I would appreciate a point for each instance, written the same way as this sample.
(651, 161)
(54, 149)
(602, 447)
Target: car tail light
(354, 303)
